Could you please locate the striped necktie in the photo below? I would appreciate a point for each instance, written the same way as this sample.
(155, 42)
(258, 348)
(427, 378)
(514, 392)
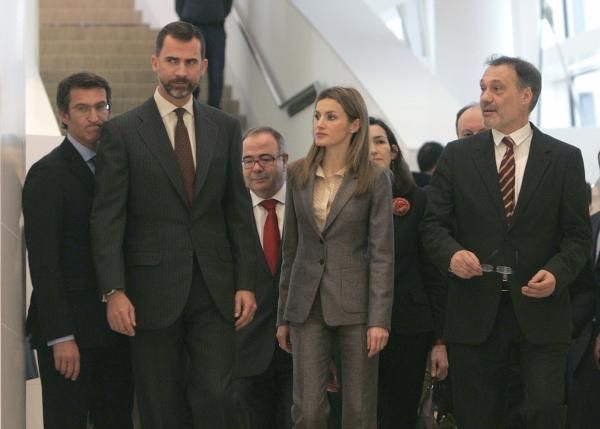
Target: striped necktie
(507, 178)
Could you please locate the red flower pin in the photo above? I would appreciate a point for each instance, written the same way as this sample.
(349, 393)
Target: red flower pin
(400, 206)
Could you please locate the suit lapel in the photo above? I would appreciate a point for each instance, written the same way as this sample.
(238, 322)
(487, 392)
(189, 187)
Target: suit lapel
(78, 166)
(306, 196)
(152, 131)
(538, 161)
(207, 135)
(341, 198)
(485, 162)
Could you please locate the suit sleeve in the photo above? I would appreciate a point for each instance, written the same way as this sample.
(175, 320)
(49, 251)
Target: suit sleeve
(574, 225)
(109, 212)
(381, 253)
(43, 217)
(239, 217)
(438, 223)
(288, 252)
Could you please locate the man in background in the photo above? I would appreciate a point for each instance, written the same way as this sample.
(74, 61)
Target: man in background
(469, 121)
(84, 366)
(263, 370)
(209, 16)
(427, 157)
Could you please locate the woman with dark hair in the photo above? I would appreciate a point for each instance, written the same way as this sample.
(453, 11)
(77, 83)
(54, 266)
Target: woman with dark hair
(416, 313)
(337, 269)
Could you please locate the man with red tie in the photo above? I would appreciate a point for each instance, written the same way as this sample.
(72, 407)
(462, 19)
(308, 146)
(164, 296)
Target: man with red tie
(263, 371)
(507, 218)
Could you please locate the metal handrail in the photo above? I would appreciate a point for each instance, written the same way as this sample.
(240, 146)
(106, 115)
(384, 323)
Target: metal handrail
(295, 103)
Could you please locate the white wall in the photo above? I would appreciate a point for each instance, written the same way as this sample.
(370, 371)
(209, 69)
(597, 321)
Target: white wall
(12, 145)
(157, 13)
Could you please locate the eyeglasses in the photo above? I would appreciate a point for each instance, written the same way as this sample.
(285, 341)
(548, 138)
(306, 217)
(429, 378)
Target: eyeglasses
(264, 160)
(504, 270)
(85, 109)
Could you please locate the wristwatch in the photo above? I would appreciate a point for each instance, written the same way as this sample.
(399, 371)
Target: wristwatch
(109, 293)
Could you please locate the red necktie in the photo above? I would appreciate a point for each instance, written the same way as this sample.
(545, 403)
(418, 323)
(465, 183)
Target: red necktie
(507, 178)
(271, 238)
(183, 153)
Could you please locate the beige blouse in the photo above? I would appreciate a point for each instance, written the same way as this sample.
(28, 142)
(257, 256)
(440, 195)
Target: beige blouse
(324, 193)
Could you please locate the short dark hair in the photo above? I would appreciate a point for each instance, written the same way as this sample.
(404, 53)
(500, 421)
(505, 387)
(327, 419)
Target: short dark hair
(460, 113)
(85, 80)
(281, 145)
(529, 76)
(183, 31)
(403, 182)
(428, 155)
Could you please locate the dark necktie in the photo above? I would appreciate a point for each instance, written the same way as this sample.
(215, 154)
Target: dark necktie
(92, 164)
(507, 178)
(271, 238)
(183, 153)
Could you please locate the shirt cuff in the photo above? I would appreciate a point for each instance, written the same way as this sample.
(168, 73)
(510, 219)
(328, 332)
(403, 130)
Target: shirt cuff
(61, 340)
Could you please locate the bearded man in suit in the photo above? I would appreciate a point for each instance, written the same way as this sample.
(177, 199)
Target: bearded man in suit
(172, 240)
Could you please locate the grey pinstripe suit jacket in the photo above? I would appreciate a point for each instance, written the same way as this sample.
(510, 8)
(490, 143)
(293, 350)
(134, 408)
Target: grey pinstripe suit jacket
(146, 233)
(350, 263)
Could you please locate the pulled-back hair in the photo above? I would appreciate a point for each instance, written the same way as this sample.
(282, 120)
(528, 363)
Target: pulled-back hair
(357, 157)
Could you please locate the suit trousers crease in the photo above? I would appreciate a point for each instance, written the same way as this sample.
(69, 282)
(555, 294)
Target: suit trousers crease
(312, 350)
(182, 372)
(104, 389)
(480, 372)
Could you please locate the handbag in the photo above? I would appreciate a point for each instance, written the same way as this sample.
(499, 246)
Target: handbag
(435, 405)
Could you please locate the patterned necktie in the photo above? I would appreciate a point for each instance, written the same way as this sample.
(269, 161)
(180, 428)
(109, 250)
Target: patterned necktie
(271, 238)
(507, 178)
(183, 153)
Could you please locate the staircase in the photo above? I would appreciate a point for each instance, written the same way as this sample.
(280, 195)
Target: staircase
(108, 38)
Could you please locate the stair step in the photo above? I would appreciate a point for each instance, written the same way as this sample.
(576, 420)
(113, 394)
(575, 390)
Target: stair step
(98, 47)
(112, 75)
(95, 62)
(109, 4)
(82, 16)
(123, 34)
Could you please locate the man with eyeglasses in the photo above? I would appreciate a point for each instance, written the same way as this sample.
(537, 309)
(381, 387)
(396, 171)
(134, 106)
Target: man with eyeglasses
(172, 240)
(263, 371)
(84, 365)
(507, 217)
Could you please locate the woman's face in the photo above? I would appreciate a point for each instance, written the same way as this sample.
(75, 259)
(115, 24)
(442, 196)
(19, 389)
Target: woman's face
(380, 150)
(331, 125)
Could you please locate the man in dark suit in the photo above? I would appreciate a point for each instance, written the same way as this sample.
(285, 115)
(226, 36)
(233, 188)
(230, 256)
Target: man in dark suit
(209, 16)
(263, 370)
(84, 366)
(172, 240)
(508, 218)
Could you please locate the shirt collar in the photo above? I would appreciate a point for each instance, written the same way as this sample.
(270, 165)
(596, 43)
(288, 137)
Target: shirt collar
(85, 152)
(320, 173)
(279, 196)
(165, 107)
(518, 136)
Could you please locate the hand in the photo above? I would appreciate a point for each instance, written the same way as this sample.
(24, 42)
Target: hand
(465, 265)
(438, 361)
(245, 307)
(377, 339)
(120, 313)
(66, 359)
(597, 351)
(283, 338)
(541, 285)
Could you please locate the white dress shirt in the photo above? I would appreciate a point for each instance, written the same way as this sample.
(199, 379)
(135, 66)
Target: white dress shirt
(522, 138)
(169, 117)
(260, 213)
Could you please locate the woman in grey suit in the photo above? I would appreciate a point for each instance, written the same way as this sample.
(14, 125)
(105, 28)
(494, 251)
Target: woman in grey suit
(337, 270)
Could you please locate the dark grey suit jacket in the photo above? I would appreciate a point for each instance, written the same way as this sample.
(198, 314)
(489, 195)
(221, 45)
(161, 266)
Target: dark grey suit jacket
(145, 232)
(550, 230)
(350, 263)
(255, 344)
(57, 200)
